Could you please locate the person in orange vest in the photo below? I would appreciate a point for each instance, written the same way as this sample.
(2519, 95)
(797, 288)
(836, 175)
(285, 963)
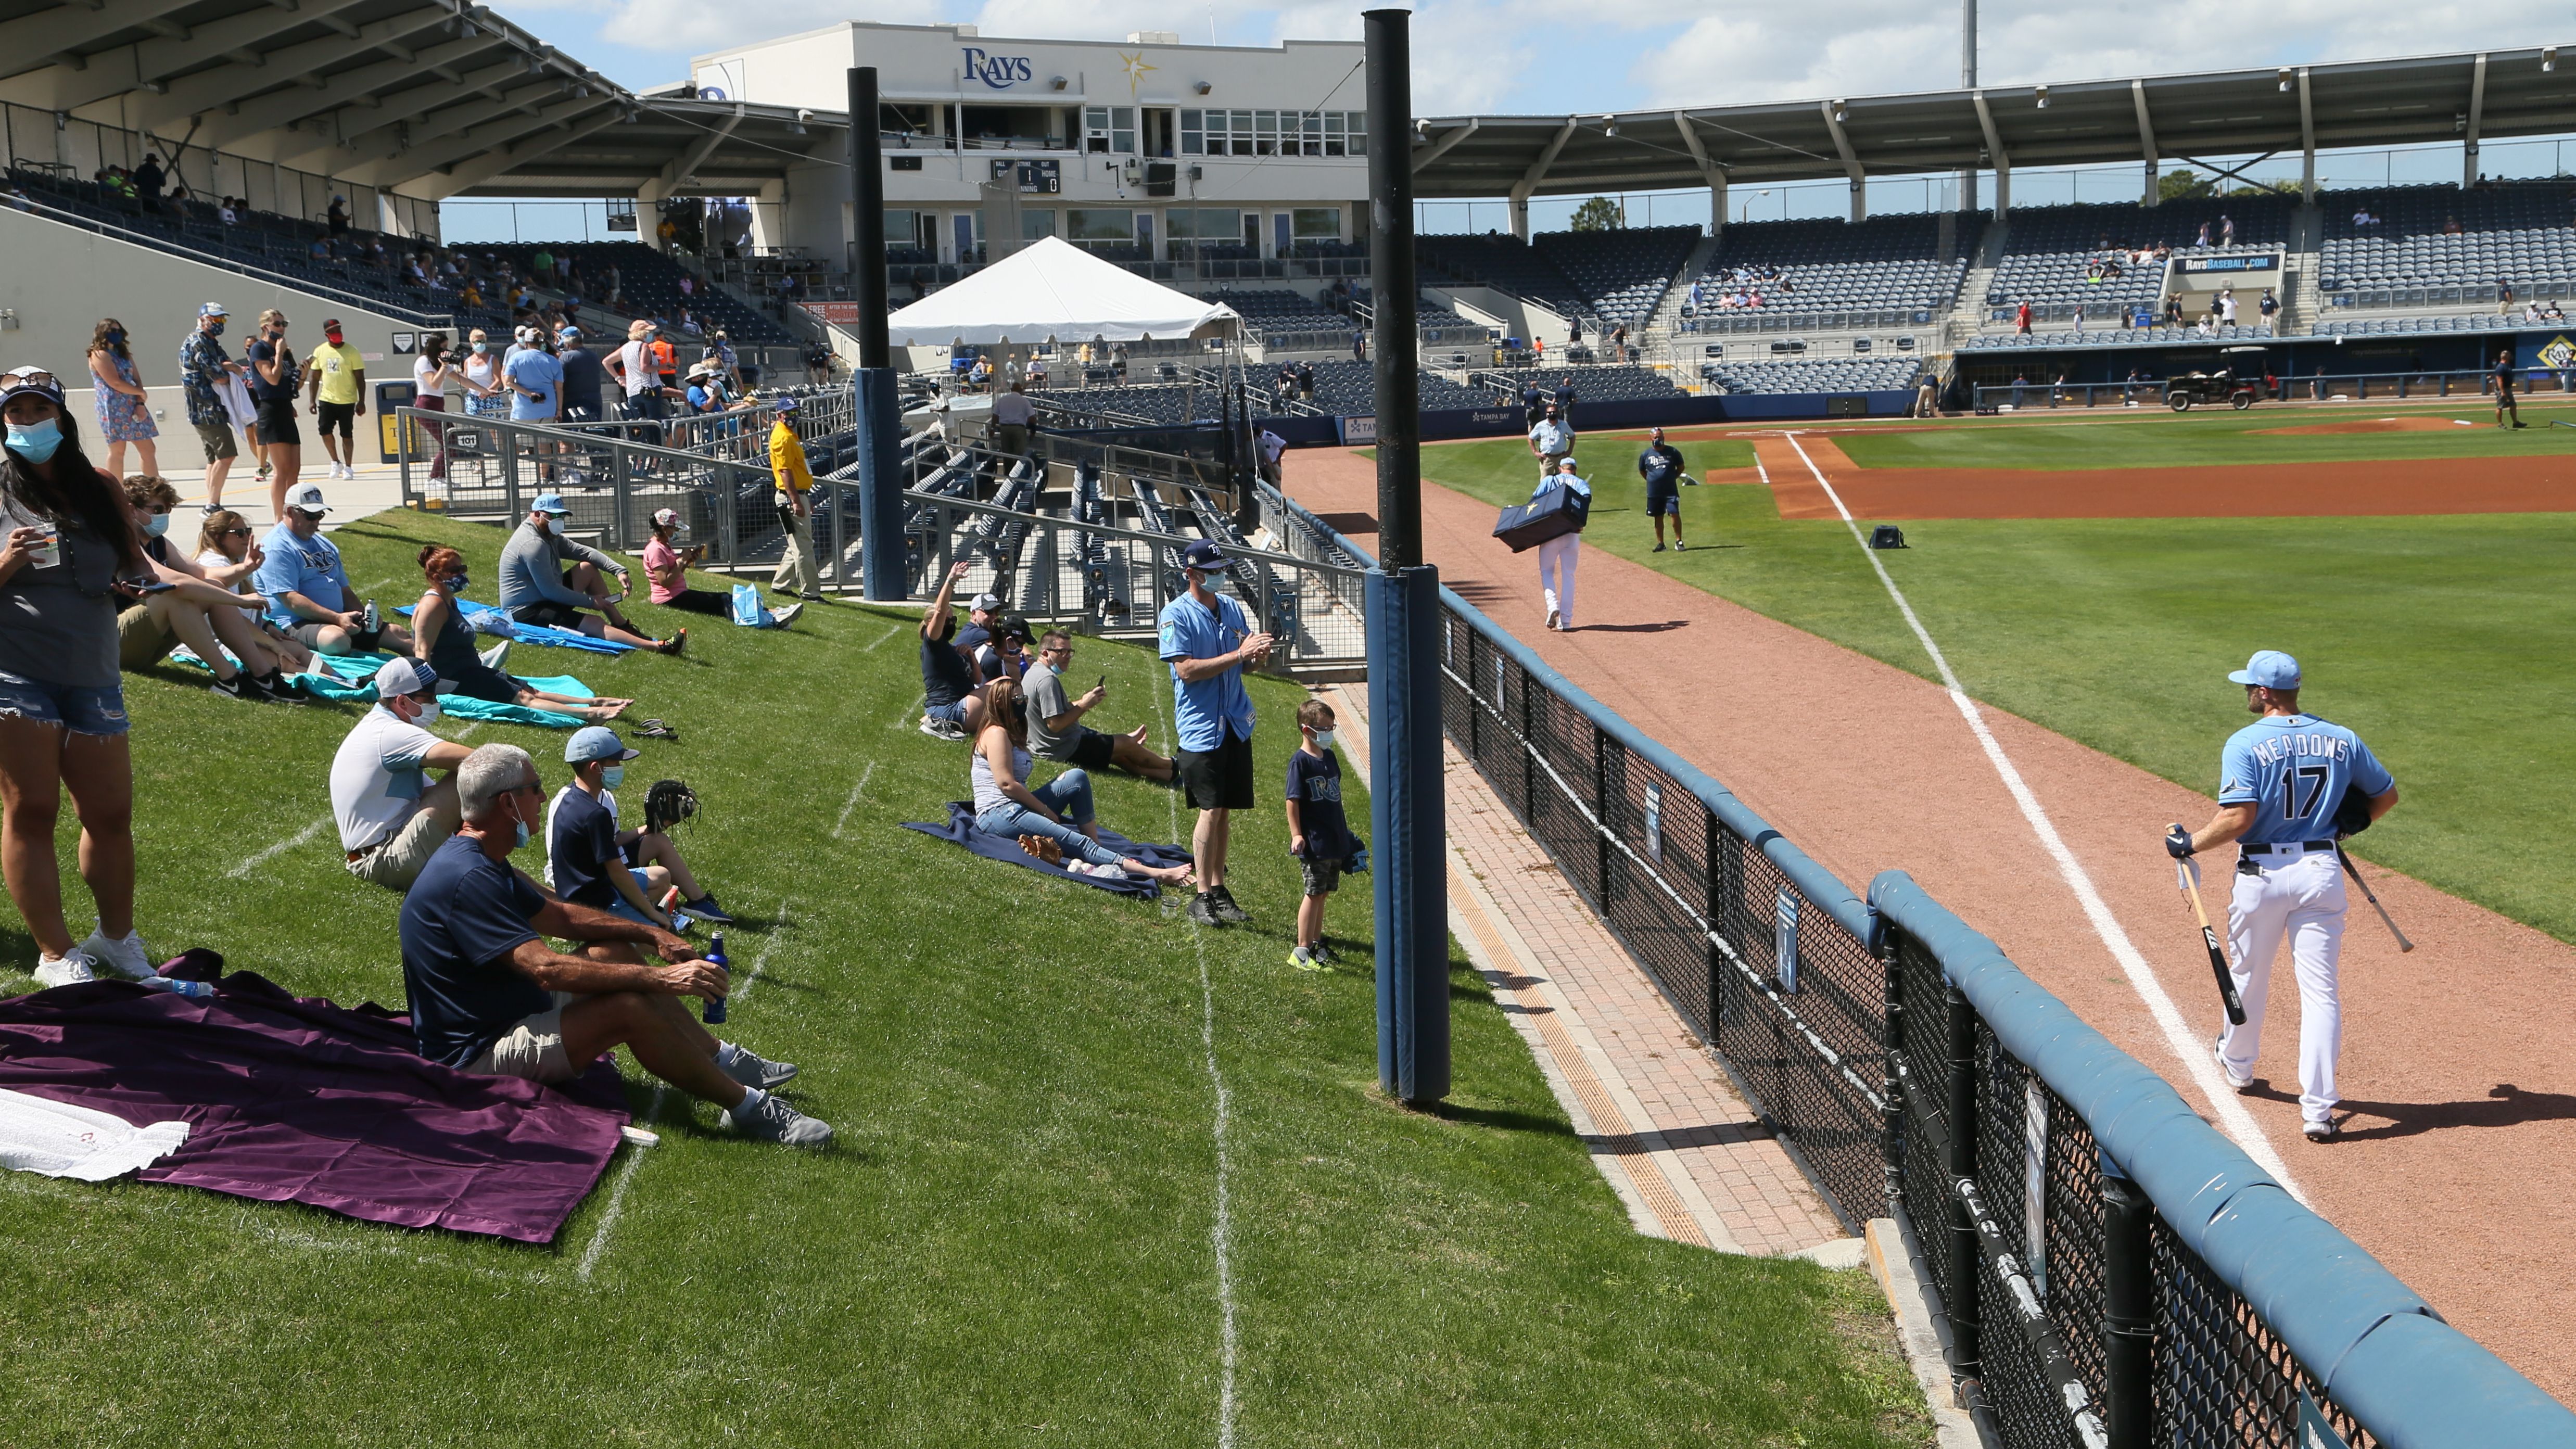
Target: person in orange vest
(666, 360)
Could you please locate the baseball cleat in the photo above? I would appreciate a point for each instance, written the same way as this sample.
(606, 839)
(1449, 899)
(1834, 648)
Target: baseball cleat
(2318, 1131)
(2241, 1079)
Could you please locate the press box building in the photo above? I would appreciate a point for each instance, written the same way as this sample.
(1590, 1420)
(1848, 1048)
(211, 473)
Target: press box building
(1147, 150)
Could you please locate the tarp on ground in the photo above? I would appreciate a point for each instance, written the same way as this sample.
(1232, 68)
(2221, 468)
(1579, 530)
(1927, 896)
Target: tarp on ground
(1053, 288)
(297, 1100)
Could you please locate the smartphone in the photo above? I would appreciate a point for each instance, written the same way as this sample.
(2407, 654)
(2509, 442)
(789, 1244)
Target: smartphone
(156, 587)
(1104, 682)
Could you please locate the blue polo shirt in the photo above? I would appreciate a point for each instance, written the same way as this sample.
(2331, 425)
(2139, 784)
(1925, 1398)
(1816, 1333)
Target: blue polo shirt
(307, 566)
(538, 373)
(1203, 712)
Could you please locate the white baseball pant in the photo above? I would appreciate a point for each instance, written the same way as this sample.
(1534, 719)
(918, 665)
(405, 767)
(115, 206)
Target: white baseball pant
(1556, 575)
(2299, 895)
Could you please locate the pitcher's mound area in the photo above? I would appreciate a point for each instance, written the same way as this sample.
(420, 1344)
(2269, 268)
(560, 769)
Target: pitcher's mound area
(2368, 425)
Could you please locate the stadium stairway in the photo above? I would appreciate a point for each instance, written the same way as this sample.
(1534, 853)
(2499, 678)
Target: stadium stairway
(2301, 298)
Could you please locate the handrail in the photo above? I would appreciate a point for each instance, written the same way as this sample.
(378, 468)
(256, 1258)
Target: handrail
(395, 310)
(1237, 553)
(2408, 1377)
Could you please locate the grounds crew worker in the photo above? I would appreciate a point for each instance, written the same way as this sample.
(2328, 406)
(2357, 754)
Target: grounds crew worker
(1661, 466)
(2282, 798)
(792, 496)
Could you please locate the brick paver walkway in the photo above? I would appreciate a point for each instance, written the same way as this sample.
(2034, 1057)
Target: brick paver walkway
(1668, 1129)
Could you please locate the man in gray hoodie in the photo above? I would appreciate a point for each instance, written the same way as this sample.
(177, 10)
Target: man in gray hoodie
(536, 588)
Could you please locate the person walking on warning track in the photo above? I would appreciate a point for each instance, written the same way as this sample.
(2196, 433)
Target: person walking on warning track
(1661, 466)
(1556, 557)
(2283, 782)
(2504, 390)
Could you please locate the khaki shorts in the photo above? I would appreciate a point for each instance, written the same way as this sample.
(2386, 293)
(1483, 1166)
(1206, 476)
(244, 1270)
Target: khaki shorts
(218, 440)
(533, 1049)
(141, 642)
(399, 860)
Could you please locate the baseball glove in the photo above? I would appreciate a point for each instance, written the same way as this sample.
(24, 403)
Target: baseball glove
(2352, 814)
(667, 804)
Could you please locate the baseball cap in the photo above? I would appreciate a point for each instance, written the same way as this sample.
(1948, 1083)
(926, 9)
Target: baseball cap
(596, 742)
(214, 309)
(30, 379)
(306, 498)
(404, 676)
(568, 333)
(552, 503)
(2269, 668)
(1017, 627)
(987, 603)
(788, 405)
(330, 324)
(666, 518)
(1203, 554)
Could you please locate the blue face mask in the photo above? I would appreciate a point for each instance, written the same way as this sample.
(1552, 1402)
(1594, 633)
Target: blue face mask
(613, 776)
(157, 525)
(456, 582)
(37, 441)
(521, 839)
(115, 339)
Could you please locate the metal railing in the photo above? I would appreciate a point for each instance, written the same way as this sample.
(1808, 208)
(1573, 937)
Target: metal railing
(2113, 1271)
(2330, 387)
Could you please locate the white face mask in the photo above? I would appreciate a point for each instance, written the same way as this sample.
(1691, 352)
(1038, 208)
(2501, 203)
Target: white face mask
(1323, 739)
(428, 715)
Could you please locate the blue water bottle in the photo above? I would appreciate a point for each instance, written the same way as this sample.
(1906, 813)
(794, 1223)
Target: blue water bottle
(714, 1015)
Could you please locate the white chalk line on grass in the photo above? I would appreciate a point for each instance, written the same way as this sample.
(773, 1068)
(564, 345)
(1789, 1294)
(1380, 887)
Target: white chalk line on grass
(2192, 1049)
(760, 959)
(1221, 1234)
(853, 802)
(617, 1196)
(300, 838)
(891, 631)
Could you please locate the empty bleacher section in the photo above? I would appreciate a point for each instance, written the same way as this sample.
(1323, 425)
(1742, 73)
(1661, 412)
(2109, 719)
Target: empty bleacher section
(2437, 246)
(2422, 326)
(2112, 335)
(1350, 389)
(1591, 384)
(258, 241)
(650, 283)
(1504, 263)
(1887, 271)
(1282, 318)
(2055, 257)
(1622, 274)
(1837, 375)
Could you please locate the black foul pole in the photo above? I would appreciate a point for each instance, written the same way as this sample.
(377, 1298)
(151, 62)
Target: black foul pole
(879, 412)
(1404, 620)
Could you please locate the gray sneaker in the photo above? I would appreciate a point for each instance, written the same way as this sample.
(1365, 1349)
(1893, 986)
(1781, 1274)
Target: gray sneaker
(1226, 910)
(775, 1121)
(941, 729)
(755, 1071)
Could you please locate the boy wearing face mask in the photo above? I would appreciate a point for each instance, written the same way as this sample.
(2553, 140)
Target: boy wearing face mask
(583, 862)
(1318, 833)
(391, 818)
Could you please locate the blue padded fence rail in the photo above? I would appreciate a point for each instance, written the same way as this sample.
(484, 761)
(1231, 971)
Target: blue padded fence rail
(2411, 1379)
(2383, 1353)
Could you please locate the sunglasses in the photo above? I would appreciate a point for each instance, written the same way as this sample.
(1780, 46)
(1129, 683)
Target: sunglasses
(31, 377)
(232, 533)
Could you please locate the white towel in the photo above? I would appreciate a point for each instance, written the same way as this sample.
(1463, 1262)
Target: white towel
(237, 401)
(61, 1140)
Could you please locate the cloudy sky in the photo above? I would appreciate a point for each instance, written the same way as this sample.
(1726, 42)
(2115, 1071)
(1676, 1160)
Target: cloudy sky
(1547, 55)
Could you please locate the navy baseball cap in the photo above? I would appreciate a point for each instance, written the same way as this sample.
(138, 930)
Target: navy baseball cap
(2269, 668)
(1203, 554)
(596, 742)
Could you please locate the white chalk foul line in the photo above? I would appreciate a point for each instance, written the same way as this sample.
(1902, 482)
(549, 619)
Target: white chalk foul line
(1221, 1234)
(853, 802)
(2189, 1047)
(300, 838)
(617, 1196)
(891, 631)
(760, 960)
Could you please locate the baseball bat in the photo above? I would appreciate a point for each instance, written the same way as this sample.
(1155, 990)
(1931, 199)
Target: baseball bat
(2371, 896)
(2187, 876)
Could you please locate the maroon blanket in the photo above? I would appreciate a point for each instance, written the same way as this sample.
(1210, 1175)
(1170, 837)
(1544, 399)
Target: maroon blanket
(297, 1100)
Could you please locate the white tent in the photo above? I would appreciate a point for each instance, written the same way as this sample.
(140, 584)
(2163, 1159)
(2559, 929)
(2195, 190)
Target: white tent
(1053, 288)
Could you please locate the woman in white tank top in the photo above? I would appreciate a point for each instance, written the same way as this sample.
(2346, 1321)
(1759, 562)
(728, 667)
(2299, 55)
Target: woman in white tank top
(1057, 813)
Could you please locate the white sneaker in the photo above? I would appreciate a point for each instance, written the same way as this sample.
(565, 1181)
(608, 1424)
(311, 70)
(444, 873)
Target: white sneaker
(69, 970)
(129, 957)
(2237, 1077)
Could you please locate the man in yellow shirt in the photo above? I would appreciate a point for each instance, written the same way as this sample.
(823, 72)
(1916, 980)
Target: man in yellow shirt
(796, 573)
(337, 376)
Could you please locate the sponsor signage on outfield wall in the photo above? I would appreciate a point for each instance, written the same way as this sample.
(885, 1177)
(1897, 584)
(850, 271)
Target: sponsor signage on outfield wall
(2268, 263)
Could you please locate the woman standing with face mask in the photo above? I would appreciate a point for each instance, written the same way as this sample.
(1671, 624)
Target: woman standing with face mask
(486, 395)
(273, 375)
(66, 536)
(124, 408)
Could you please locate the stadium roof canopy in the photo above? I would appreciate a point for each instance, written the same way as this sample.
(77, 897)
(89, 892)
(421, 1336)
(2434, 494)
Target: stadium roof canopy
(433, 97)
(2447, 98)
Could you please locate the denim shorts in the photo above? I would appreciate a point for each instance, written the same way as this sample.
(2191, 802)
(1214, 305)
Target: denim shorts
(84, 709)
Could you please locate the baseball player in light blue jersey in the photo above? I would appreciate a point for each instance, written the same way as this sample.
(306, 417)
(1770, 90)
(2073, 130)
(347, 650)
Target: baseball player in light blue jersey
(2282, 783)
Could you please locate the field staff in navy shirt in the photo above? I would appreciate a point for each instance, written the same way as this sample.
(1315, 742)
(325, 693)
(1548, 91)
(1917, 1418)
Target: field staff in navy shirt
(1207, 640)
(490, 998)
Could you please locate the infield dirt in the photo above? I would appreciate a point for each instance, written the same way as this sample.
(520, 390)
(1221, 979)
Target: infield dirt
(2458, 1159)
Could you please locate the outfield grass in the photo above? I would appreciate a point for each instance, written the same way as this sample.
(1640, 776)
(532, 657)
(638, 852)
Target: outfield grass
(2113, 437)
(1011, 1242)
(2431, 636)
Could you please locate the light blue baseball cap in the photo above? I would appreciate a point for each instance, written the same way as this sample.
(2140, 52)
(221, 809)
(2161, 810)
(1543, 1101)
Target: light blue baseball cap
(551, 503)
(596, 742)
(2269, 668)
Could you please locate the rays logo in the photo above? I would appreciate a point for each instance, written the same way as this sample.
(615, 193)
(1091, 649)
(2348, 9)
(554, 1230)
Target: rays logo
(1000, 72)
(2559, 354)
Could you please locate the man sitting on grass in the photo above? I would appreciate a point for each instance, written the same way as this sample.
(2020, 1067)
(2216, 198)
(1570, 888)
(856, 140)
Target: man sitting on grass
(536, 588)
(390, 818)
(307, 587)
(593, 863)
(490, 998)
(1056, 730)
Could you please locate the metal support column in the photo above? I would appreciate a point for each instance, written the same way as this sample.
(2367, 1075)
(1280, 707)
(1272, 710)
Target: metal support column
(1405, 806)
(1966, 1253)
(2128, 1312)
(879, 412)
